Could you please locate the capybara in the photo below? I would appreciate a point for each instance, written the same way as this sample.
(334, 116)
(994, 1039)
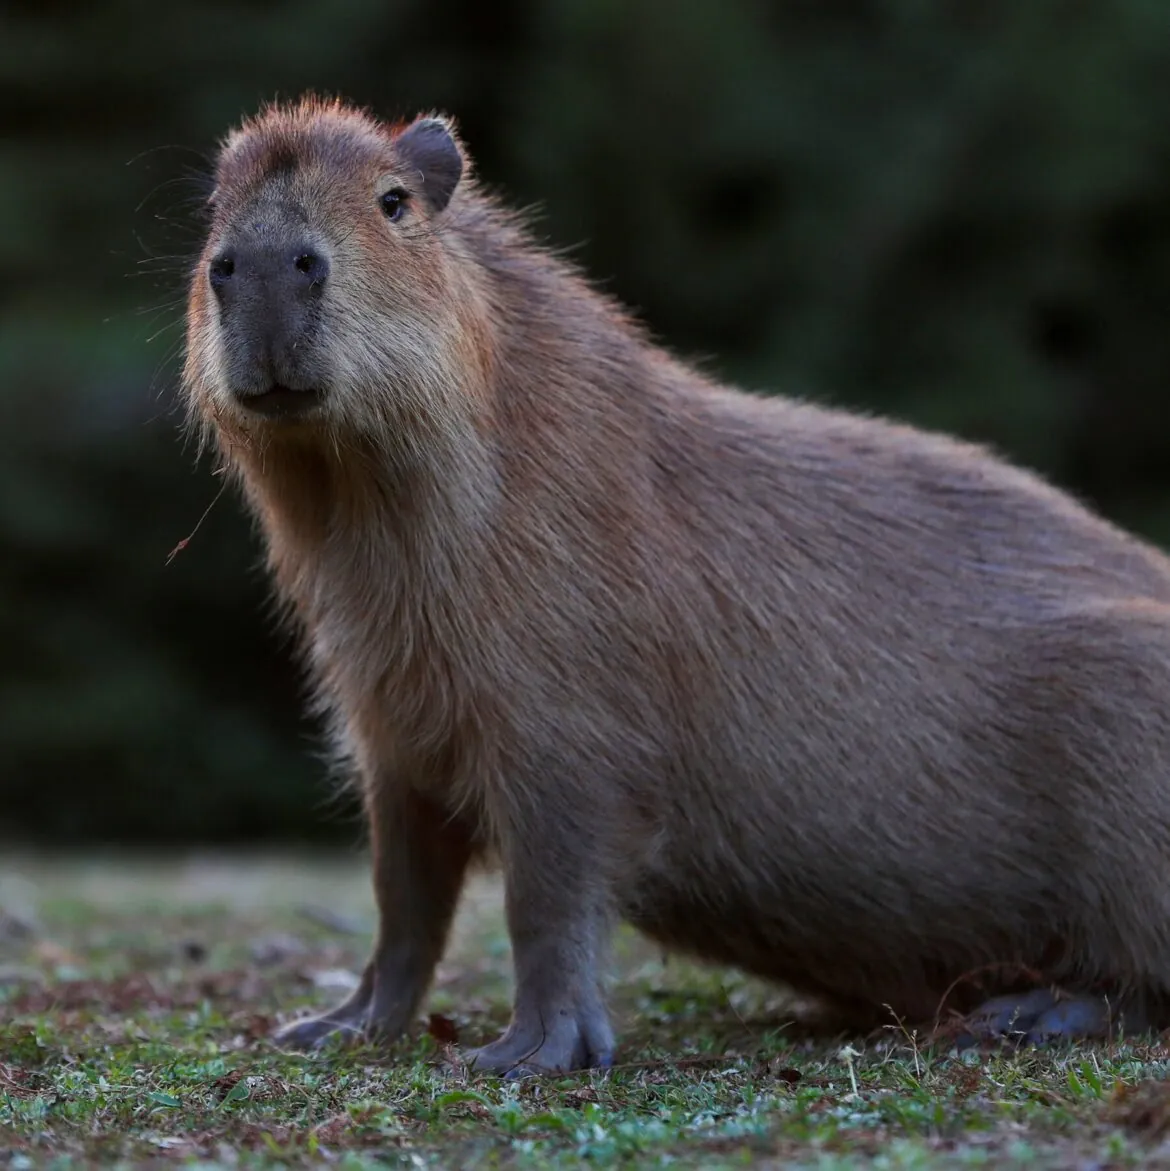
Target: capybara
(854, 707)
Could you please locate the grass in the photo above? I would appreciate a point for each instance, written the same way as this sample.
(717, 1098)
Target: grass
(136, 999)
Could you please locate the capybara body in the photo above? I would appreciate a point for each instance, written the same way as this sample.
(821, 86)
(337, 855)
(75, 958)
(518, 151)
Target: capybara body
(848, 705)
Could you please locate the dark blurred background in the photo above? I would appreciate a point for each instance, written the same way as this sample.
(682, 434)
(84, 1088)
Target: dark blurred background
(956, 211)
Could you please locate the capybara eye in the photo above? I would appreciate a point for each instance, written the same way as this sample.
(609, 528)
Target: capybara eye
(394, 203)
(221, 271)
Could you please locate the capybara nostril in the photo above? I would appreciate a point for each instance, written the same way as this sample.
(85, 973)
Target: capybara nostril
(312, 267)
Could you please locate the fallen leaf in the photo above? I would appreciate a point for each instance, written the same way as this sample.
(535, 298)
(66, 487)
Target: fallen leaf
(443, 1029)
(224, 1085)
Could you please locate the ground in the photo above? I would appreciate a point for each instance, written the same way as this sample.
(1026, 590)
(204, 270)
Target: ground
(136, 999)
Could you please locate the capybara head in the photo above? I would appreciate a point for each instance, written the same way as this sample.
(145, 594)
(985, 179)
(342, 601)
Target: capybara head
(328, 296)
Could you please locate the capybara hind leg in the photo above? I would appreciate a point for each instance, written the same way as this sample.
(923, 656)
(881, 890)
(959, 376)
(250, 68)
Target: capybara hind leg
(420, 856)
(1006, 1016)
(1043, 1017)
(1086, 1017)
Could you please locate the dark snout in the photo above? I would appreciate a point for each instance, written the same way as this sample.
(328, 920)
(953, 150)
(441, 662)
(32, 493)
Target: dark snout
(269, 296)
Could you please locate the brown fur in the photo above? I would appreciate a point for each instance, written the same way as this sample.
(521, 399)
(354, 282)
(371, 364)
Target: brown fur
(851, 706)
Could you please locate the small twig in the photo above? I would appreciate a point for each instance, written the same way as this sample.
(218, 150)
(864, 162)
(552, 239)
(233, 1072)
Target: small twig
(911, 1038)
(10, 1083)
(187, 539)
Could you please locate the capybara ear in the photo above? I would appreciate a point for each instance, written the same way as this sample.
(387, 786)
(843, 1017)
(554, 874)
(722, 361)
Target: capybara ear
(429, 147)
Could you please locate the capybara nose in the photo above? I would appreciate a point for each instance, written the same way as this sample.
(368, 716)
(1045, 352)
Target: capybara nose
(296, 270)
(269, 290)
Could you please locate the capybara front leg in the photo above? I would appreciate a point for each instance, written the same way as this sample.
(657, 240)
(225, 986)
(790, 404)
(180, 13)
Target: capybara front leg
(557, 923)
(420, 856)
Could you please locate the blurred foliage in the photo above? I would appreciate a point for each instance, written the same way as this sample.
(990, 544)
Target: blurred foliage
(956, 211)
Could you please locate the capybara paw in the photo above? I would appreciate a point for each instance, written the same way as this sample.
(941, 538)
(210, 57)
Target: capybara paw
(566, 1049)
(314, 1031)
(1043, 1017)
(1006, 1016)
(1085, 1017)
